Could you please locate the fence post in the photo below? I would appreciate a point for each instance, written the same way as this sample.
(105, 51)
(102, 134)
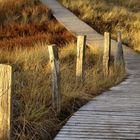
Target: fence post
(54, 61)
(107, 52)
(119, 58)
(80, 66)
(5, 102)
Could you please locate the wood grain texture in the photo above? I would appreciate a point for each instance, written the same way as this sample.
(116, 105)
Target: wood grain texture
(54, 61)
(107, 53)
(5, 102)
(80, 66)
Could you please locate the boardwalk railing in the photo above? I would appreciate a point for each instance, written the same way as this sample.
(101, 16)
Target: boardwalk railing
(6, 80)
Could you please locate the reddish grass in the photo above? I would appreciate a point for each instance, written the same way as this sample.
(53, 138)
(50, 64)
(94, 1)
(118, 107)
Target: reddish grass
(34, 23)
(29, 34)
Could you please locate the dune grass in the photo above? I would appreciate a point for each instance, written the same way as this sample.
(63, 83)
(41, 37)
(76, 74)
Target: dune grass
(25, 22)
(110, 15)
(34, 117)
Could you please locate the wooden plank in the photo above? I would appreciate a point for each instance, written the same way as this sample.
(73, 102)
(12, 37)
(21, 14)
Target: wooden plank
(98, 110)
(95, 133)
(107, 53)
(54, 61)
(114, 108)
(99, 129)
(84, 113)
(5, 102)
(80, 66)
(103, 136)
(73, 138)
(94, 127)
(80, 116)
(104, 118)
(103, 126)
(89, 121)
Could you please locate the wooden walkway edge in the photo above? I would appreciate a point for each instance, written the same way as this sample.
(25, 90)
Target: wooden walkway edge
(115, 114)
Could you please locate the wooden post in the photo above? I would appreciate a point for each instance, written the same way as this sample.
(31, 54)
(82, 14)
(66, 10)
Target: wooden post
(54, 60)
(107, 52)
(5, 102)
(119, 58)
(80, 66)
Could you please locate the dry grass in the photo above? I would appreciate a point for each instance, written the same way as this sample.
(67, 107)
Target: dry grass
(27, 22)
(112, 16)
(23, 11)
(29, 34)
(34, 117)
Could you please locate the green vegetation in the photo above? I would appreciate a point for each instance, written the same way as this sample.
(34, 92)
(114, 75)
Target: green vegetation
(34, 117)
(112, 16)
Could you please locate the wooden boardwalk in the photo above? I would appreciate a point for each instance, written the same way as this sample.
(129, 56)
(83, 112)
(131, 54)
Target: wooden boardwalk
(115, 114)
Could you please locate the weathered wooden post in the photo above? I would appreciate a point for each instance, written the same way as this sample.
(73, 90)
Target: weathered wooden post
(80, 66)
(54, 61)
(5, 102)
(107, 52)
(119, 58)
